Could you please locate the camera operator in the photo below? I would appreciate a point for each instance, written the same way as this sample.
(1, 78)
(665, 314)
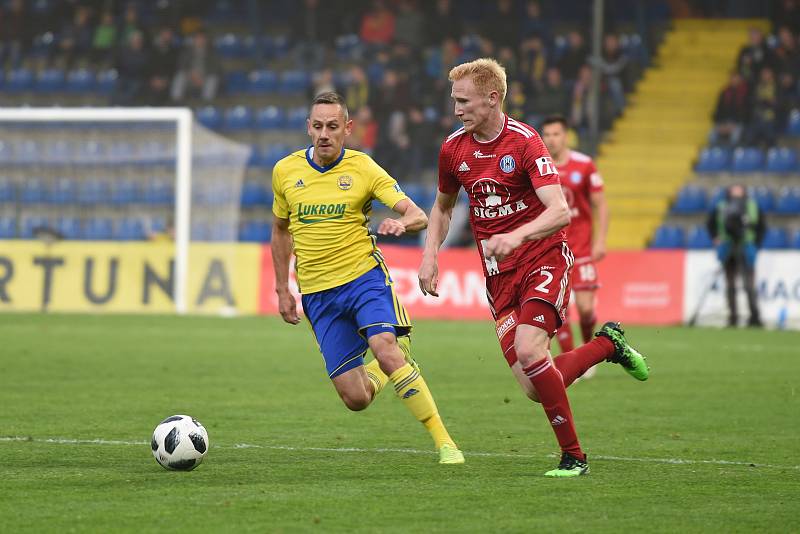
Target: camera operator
(737, 228)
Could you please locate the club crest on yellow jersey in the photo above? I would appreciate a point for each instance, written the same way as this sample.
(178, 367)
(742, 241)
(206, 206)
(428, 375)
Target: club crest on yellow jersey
(345, 182)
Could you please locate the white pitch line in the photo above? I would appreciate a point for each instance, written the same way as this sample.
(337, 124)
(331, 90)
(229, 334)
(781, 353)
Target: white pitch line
(672, 461)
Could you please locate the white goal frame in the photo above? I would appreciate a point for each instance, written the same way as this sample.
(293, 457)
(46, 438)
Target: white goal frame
(182, 117)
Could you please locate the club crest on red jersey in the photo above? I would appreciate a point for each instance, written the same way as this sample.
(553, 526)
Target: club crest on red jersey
(507, 164)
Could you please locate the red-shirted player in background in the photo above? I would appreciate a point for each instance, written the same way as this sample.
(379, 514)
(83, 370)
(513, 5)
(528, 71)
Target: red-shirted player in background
(586, 233)
(517, 213)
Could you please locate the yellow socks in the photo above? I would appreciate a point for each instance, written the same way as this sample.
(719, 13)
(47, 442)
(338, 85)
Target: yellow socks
(414, 393)
(376, 376)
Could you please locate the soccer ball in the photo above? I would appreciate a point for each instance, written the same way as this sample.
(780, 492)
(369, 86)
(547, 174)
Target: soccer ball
(179, 442)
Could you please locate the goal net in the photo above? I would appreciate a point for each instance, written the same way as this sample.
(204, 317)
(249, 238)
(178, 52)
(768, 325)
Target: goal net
(139, 206)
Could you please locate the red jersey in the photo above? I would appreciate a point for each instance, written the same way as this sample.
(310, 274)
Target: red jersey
(500, 177)
(579, 179)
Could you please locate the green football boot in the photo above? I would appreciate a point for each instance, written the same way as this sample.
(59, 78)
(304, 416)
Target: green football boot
(569, 466)
(449, 454)
(629, 358)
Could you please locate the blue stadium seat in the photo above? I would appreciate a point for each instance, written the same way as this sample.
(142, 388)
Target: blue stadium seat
(788, 202)
(253, 194)
(781, 159)
(747, 160)
(59, 152)
(155, 153)
(793, 126)
(763, 197)
(238, 118)
(375, 71)
(30, 225)
(236, 82)
(249, 47)
(229, 45)
(776, 239)
(272, 154)
(714, 159)
(97, 229)
(92, 192)
(294, 82)
(68, 227)
(698, 238)
(107, 81)
(796, 240)
(124, 192)
(8, 227)
(262, 81)
(28, 152)
(210, 117)
(64, 191)
(296, 118)
(7, 190)
(255, 231)
(129, 229)
(690, 199)
(33, 191)
(80, 81)
(668, 236)
(91, 153)
(49, 81)
(201, 231)
(158, 193)
(6, 152)
(121, 152)
(347, 47)
(18, 81)
(279, 47)
(270, 118)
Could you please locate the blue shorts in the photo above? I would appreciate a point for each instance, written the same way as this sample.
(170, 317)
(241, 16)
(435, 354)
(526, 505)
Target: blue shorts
(344, 317)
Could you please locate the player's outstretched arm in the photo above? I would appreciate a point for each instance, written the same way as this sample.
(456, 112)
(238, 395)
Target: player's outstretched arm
(438, 226)
(552, 219)
(600, 216)
(412, 219)
(281, 245)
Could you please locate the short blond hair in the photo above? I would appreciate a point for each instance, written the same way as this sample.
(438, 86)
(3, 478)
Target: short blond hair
(487, 74)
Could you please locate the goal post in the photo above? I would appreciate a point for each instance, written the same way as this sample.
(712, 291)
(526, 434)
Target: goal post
(190, 148)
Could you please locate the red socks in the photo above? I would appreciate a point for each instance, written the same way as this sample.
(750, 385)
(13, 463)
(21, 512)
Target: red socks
(587, 328)
(564, 335)
(573, 364)
(553, 396)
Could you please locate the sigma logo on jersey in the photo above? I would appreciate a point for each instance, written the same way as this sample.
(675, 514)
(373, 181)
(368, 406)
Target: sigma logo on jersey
(507, 164)
(314, 213)
(345, 182)
(545, 166)
(505, 324)
(480, 155)
(494, 199)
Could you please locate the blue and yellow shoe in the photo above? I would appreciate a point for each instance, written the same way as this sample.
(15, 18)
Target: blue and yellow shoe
(449, 454)
(569, 466)
(629, 358)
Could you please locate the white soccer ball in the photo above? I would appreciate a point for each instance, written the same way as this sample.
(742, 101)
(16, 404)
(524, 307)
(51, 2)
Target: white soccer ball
(179, 442)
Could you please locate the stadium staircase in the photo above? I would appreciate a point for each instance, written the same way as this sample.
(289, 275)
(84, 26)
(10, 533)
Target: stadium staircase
(648, 154)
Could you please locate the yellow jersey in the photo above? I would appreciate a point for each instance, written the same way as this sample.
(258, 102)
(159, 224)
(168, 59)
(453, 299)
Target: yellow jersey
(328, 210)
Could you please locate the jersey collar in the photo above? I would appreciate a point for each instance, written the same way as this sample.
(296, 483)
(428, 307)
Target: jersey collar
(326, 168)
(496, 137)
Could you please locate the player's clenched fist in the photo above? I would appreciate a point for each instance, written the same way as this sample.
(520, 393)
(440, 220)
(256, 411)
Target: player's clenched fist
(501, 245)
(392, 227)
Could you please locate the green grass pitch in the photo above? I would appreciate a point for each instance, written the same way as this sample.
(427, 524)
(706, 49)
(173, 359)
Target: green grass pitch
(709, 443)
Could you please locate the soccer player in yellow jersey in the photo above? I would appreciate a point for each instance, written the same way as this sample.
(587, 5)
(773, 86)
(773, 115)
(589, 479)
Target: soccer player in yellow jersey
(323, 196)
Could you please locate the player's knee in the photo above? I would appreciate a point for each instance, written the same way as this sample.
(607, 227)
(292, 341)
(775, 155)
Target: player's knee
(531, 351)
(386, 350)
(355, 401)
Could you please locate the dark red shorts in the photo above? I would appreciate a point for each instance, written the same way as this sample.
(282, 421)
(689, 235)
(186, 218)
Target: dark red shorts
(537, 293)
(584, 275)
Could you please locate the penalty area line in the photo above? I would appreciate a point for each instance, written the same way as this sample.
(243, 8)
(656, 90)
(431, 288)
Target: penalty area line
(670, 461)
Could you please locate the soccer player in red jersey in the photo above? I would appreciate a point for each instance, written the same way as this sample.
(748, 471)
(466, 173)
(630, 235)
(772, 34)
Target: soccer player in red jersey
(586, 233)
(517, 214)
